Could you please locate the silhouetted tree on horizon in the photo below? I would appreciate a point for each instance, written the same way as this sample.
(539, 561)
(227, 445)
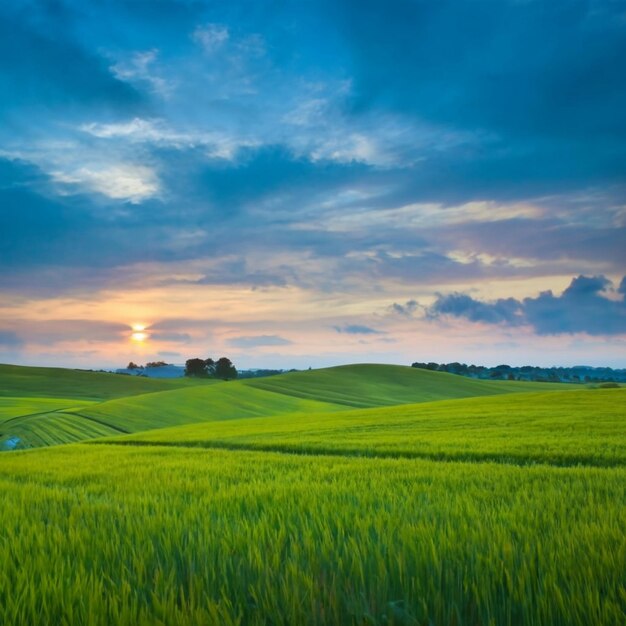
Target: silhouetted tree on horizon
(225, 369)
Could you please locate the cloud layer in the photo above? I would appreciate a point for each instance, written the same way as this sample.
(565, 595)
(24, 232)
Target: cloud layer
(155, 158)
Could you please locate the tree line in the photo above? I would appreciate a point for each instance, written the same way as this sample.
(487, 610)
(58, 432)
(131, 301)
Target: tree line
(575, 374)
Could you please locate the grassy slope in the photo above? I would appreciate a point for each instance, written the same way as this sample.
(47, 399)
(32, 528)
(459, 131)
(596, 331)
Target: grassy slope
(581, 426)
(367, 385)
(33, 401)
(52, 382)
(307, 393)
(15, 407)
(222, 401)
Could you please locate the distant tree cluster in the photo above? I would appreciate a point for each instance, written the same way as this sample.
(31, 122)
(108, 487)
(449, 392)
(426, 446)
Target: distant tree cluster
(576, 374)
(260, 373)
(135, 366)
(223, 368)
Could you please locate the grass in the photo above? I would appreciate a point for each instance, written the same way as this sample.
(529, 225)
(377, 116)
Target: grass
(130, 404)
(368, 385)
(15, 407)
(98, 535)
(222, 401)
(562, 428)
(286, 503)
(51, 382)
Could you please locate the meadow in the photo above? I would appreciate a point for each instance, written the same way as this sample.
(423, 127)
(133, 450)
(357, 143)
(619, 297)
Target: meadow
(304, 500)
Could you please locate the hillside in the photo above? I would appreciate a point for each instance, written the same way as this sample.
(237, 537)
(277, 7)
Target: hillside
(223, 401)
(431, 512)
(585, 426)
(367, 385)
(145, 405)
(56, 382)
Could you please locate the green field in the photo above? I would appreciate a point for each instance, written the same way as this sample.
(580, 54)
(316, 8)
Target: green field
(564, 428)
(125, 404)
(55, 382)
(361, 495)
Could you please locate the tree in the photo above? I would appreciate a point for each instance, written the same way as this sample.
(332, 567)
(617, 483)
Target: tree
(196, 367)
(133, 366)
(225, 369)
(210, 366)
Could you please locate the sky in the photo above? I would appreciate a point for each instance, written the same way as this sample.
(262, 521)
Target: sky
(295, 184)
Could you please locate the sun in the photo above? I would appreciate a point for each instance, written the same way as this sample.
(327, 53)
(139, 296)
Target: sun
(139, 333)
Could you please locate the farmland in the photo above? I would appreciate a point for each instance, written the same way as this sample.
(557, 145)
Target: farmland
(359, 495)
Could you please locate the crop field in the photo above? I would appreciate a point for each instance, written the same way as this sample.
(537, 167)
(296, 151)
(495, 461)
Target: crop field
(564, 428)
(302, 500)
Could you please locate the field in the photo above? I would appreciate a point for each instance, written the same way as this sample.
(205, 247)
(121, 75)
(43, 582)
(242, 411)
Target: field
(358, 495)
(76, 406)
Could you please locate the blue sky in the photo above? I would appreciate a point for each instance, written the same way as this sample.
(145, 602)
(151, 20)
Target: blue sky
(311, 183)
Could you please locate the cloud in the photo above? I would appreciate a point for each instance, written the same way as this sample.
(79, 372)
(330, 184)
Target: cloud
(258, 341)
(407, 309)
(507, 310)
(216, 145)
(582, 308)
(139, 68)
(211, 36)
(45, 68)
(357, 329)
(123, 181)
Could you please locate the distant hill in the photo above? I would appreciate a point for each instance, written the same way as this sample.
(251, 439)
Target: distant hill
(365, 385)
(84, 405)
(56, 382)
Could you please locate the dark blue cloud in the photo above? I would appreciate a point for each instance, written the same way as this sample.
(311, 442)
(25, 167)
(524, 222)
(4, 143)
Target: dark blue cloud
(543, 81)
(406, 310)
(224, 188)
(43, 66)
(582, 308)
(516, 67)
(507, 310)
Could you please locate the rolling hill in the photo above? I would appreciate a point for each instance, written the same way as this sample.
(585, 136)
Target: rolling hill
(57, 382)
(285, 503)
(96, 405)
(366, 385)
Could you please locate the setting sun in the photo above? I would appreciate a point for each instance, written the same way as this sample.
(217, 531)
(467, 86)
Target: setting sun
(139, 333)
